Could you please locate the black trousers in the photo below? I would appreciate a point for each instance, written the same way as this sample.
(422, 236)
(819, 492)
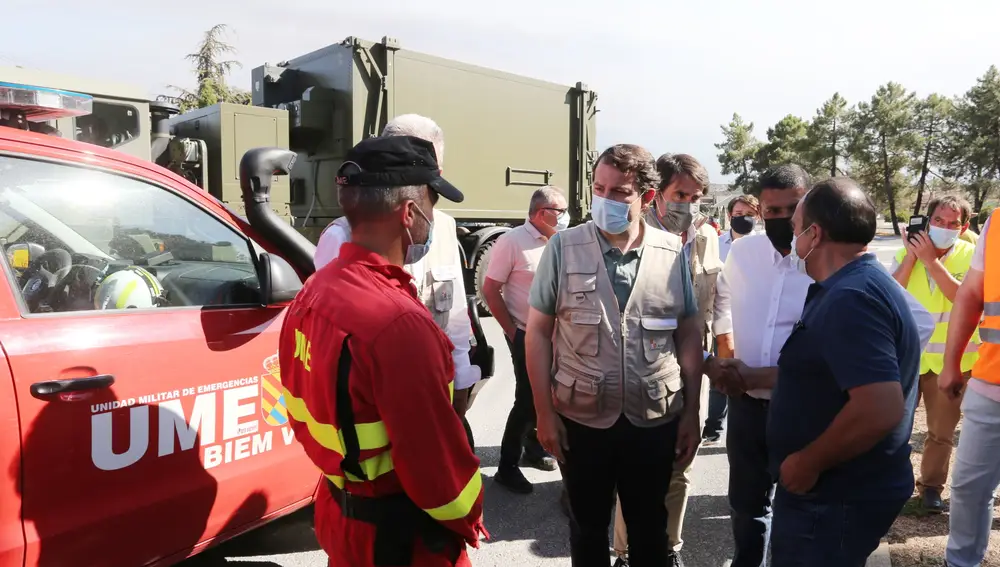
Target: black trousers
(751, 487)
(468, 433)
(636, 460)
(520, 430)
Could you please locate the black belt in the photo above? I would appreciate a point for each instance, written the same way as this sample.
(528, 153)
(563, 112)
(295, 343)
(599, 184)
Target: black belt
(398, 524)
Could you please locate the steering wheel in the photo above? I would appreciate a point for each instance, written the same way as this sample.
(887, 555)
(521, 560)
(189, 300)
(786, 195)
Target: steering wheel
(74, 288)
(40, 277)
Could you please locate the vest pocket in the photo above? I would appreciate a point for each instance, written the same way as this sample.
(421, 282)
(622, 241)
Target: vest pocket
(658, 336)
(583, 331)
(581, 283)
(443, 288)
(578, 390)
(662, 391)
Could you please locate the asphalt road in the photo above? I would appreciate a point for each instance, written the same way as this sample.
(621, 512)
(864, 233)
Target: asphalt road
(526, 530)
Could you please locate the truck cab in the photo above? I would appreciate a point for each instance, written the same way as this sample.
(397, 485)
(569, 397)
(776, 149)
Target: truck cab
(119, 118)
(139, 323)
(139, 318)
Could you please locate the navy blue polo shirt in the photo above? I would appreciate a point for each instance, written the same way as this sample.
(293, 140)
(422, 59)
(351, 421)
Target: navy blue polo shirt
(856, 329)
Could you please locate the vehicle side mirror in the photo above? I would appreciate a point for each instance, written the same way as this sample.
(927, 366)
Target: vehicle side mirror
(279, 282)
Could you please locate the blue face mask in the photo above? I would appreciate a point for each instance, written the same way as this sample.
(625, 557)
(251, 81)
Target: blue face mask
(416, 252)
(610, 216)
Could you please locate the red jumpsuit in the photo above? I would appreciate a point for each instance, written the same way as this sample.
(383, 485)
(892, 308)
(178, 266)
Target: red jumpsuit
(410, 437)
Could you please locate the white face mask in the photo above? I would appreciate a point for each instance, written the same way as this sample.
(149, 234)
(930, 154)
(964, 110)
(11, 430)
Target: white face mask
(943, 238)
(799, 263)
(562, 221)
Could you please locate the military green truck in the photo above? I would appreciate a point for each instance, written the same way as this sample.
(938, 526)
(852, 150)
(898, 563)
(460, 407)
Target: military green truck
(505, 134)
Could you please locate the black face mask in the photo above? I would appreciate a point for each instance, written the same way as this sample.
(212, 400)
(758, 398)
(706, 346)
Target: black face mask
(779, 232)
(742, 225)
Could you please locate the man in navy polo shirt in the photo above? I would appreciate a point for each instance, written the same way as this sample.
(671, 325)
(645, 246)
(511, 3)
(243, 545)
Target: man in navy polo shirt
(842, 408)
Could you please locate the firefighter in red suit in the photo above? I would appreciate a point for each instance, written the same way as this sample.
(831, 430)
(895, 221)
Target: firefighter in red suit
(368, 377)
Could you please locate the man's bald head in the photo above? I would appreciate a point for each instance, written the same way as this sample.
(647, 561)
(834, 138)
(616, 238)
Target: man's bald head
(842, 209)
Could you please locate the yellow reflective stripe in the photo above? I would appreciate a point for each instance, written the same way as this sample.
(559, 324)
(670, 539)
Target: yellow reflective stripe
(374, 467)
(124, 295)
(461, 506)
(154, 284)
(451, 391)
(337, 481)
(370, 435)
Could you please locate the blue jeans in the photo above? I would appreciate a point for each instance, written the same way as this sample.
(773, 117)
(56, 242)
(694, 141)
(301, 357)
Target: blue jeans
(975, 477)
(750, 483)
(813, 532)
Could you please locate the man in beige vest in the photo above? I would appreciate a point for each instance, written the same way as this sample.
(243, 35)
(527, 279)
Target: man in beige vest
(614, 355)
(683, 182)
(438, 276)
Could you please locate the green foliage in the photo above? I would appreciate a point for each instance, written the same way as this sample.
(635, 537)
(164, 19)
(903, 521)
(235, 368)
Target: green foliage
(827, 138)
(883, 141)
(931, 126)
(210, 70)
(787, 142)
(974, 144)
(738, 151)
(895, 145)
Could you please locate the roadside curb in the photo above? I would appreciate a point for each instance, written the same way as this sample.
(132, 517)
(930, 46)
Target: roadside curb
(881, 556)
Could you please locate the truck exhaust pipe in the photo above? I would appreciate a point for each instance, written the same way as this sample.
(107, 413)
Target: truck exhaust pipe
(256, 169)
(160, 113)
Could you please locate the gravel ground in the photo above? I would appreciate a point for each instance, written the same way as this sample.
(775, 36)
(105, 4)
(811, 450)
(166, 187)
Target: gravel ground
(918, 540)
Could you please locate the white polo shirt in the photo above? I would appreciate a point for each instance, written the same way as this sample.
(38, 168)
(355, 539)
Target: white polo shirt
(513, 262)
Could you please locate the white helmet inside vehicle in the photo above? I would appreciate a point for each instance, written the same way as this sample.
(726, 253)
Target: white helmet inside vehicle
(131, 288)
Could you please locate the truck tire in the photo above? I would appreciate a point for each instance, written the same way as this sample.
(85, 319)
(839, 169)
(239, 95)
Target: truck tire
(482, 261)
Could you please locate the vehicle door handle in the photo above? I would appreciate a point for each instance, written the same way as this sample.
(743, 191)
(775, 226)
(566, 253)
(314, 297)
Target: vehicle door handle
(47, 389)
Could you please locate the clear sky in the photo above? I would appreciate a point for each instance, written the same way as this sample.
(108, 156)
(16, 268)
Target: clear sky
(667, 73)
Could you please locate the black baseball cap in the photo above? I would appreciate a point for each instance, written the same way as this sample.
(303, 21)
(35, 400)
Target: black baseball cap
(395, 161)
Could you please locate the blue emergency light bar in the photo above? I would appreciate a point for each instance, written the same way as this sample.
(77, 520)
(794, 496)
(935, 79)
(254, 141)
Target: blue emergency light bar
(39, 104)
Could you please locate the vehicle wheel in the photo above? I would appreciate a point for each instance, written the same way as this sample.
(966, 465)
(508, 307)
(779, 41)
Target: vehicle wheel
(482, 262)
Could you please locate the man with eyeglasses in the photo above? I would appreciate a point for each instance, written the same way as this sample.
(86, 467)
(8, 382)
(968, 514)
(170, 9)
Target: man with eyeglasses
(513, 260)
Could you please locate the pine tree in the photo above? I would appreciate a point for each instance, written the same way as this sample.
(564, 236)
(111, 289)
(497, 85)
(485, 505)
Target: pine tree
(828, 138)
(210, 74)
(883, 142)
(931, 122)
(973, 153)
(738, 151)
(787, 142)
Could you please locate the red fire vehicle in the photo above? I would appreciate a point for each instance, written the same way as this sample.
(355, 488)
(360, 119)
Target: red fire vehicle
(138, 323)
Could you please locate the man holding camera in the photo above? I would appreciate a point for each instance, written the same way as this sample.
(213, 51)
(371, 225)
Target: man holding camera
(931, 266)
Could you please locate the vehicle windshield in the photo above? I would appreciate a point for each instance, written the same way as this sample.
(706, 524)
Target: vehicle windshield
(97, 214)
(81, 226)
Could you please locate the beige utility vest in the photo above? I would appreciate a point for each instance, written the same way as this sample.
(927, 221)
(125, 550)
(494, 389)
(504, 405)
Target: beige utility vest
(705, 265)
(603, 363)
(441, 267)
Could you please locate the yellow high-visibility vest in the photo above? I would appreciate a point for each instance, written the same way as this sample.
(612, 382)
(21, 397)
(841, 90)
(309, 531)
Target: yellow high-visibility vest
(957, 263)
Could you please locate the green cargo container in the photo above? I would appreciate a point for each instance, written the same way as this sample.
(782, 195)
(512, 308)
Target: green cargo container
(505, 135)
